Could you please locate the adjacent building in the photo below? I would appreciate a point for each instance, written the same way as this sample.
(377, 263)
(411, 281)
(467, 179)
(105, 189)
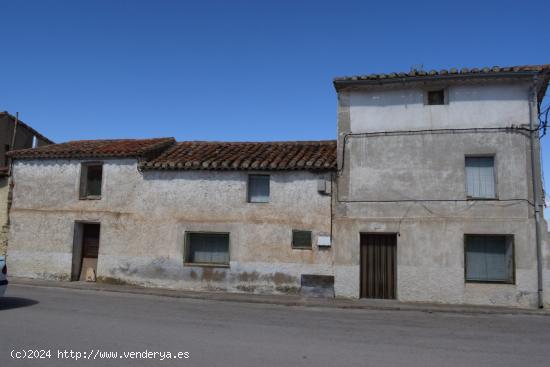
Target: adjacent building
(438, 185)
(14, 134)
(431, 193)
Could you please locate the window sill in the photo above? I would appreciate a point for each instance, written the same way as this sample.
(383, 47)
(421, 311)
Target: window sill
(481, 199)
(90, 198)
(302, 248)
(501, 282)
(206, 265)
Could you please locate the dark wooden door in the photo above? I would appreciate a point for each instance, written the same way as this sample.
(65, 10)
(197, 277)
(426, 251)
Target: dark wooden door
(90, 240)
(378, 265)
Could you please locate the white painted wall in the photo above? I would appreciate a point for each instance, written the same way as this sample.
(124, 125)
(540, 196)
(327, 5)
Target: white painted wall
(400, 168)
(469, 106)
(144, 217)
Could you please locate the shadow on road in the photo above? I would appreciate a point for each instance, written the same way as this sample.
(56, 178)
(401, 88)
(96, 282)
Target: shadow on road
(8, 303)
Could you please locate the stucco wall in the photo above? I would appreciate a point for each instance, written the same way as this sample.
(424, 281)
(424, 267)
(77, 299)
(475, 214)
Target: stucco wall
(4, 190)
(546, 268)
(144, 217)
(414, 185)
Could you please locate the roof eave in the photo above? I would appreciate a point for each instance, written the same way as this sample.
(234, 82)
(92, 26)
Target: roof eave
(341, 83)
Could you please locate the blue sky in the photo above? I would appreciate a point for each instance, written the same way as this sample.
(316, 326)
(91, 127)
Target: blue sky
(236, 70)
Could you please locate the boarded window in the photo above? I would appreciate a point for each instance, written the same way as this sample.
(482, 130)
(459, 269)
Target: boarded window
(258, 188)
(436, 97)
(489, 258)
(90, 180)
(301, 239)
(480, 177)
(208, 248)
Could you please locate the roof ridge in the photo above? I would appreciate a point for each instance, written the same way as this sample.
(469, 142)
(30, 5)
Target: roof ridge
(257, 142)
(415, 72)
(115, 140)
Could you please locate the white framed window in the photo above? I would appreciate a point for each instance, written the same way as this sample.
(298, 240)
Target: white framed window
(480, 177)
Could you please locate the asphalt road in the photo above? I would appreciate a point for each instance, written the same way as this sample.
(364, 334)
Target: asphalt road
(238, 334)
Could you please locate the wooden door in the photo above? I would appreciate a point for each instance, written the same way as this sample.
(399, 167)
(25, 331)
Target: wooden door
(90, 240)
(378, 266)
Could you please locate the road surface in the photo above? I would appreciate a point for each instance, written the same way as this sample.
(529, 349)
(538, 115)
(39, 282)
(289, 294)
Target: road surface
(215, 333)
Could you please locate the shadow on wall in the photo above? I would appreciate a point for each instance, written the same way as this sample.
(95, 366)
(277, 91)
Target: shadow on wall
(413, 95)
(223, 176)
(9, 303)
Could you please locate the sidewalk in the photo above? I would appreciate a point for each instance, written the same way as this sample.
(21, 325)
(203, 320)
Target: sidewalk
(282, 300)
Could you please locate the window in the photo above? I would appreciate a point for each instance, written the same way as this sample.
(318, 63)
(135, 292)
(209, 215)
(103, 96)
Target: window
(301, 239)
(489, 258)
(480, 177)
(436, 97)
(258, 188)
(207, 248)
(90, 180)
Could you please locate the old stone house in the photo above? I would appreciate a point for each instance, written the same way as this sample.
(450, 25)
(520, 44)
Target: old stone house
(14, 134)
(431, 193)
(188, 215)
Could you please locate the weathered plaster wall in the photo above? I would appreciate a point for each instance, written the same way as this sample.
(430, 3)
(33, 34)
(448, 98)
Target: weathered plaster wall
(4, 190)
(546, 267)
(471, 105)
(144, 217)
(429, 168)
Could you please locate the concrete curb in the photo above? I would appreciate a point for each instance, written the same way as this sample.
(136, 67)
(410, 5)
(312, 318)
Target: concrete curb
(281, 300)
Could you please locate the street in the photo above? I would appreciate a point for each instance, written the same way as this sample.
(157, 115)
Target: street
(215, 333)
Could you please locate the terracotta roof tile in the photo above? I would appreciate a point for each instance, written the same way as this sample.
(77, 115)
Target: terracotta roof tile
(142, 148)
(291, 155)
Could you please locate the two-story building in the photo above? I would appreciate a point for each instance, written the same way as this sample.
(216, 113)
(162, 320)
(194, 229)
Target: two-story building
(438, 196)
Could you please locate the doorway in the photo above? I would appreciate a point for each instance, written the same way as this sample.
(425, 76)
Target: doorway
(378, 265)
(85, 251)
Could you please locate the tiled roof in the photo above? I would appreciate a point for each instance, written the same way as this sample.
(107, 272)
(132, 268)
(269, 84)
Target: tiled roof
(291, 155)
(453, 72)
(144, 148)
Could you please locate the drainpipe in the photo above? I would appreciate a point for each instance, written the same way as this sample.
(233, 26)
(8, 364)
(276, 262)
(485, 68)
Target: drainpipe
(536, 199)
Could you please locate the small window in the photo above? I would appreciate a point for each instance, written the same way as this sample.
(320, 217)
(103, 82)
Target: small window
(207, 248)
(436, 97)
(301, 239)
(90, 180)
(480, 177)
(258, 188)
(489, 258)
